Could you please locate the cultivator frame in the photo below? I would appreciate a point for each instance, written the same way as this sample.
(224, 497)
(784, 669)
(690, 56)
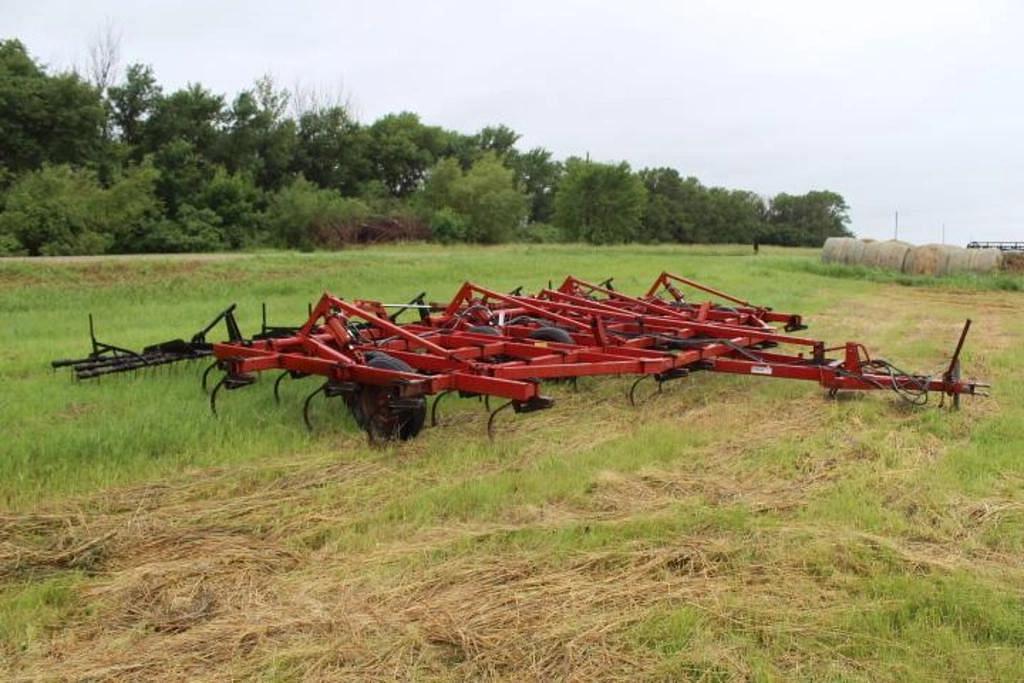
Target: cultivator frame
(487, 343)
(493, 344)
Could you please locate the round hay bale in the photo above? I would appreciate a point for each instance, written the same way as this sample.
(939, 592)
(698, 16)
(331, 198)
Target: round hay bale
(957, 261)
(984, 260)
(888, 255)
(832, 251)
(854, 254)
(1013, 262)
(927, 259)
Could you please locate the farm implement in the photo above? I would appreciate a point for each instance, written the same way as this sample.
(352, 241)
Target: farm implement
(108, 359)
(490, 344)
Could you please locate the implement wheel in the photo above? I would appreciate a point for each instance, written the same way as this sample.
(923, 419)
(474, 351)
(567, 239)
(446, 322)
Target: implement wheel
(373, 410)
(551, 334)
(559, 336)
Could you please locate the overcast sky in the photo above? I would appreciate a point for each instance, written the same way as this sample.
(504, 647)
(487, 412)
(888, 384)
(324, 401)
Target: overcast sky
(915, 106)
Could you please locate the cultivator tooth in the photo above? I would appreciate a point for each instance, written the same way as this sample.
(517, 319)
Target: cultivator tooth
(230, 381)
(433, 407)
(659, 378)
(294, 374)
(531, 405)
(204, 379)
(329, 389)
(322, 389)
(484, 343)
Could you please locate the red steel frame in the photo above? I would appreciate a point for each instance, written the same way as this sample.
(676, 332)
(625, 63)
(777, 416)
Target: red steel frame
(610, 333)
(444, 360)
(731, 341)
(667, 282)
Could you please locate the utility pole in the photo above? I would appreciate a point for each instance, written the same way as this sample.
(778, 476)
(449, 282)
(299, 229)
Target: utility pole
(896, 226)
(943, 233)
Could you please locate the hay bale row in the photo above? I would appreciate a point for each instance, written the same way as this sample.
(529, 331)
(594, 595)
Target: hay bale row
(927, 259)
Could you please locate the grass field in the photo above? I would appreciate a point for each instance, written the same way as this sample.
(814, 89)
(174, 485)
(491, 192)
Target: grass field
(730, 528)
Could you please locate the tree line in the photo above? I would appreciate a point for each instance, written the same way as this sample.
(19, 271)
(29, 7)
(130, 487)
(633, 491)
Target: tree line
(95, 164)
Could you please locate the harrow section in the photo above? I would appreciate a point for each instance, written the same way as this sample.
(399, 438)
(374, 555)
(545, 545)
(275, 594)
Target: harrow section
(487, 343)
(108, 359)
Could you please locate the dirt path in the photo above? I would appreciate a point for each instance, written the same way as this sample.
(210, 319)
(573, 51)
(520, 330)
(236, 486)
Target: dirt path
(220, 256)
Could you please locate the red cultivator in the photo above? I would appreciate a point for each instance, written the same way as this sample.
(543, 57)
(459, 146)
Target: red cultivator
(486, 343)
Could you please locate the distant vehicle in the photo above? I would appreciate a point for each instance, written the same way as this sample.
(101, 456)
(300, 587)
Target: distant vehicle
(1001, 246)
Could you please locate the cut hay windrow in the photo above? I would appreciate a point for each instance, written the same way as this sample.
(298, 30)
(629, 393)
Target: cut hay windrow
(491, 344)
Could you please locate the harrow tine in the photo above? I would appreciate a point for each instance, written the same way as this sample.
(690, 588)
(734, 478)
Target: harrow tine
(231, 380)
(632, 389)
(433, 408)
(206, 375)
(213, 394)
(305, 404)
(277, 385)
(659, 379)
(494, 414)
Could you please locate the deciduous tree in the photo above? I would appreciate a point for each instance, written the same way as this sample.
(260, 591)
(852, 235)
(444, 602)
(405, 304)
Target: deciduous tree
(600, 203)
(54, 119)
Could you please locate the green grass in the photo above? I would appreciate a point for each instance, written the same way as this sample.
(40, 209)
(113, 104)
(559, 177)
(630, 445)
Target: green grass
(729, 529)
(28, 611)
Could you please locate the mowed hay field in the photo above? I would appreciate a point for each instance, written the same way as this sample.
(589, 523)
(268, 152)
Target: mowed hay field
(730, 528)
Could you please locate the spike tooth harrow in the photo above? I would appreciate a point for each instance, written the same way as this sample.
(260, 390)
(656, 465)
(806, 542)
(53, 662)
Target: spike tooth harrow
(108, 359)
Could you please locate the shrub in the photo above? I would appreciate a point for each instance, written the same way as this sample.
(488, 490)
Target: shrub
(540, 233)
(52, 211)
(10, 246)
(303, 216)
(58, 210)
(486, 197)
(447, 226)
(193, 230)
(233, 197)
(130, 208)
(600, 203)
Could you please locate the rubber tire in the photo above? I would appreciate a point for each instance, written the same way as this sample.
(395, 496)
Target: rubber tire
(416, 417)
(527, 320)
(484, 329)
(552, 334)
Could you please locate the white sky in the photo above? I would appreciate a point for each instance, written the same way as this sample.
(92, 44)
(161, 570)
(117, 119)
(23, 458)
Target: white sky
(915, 106)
